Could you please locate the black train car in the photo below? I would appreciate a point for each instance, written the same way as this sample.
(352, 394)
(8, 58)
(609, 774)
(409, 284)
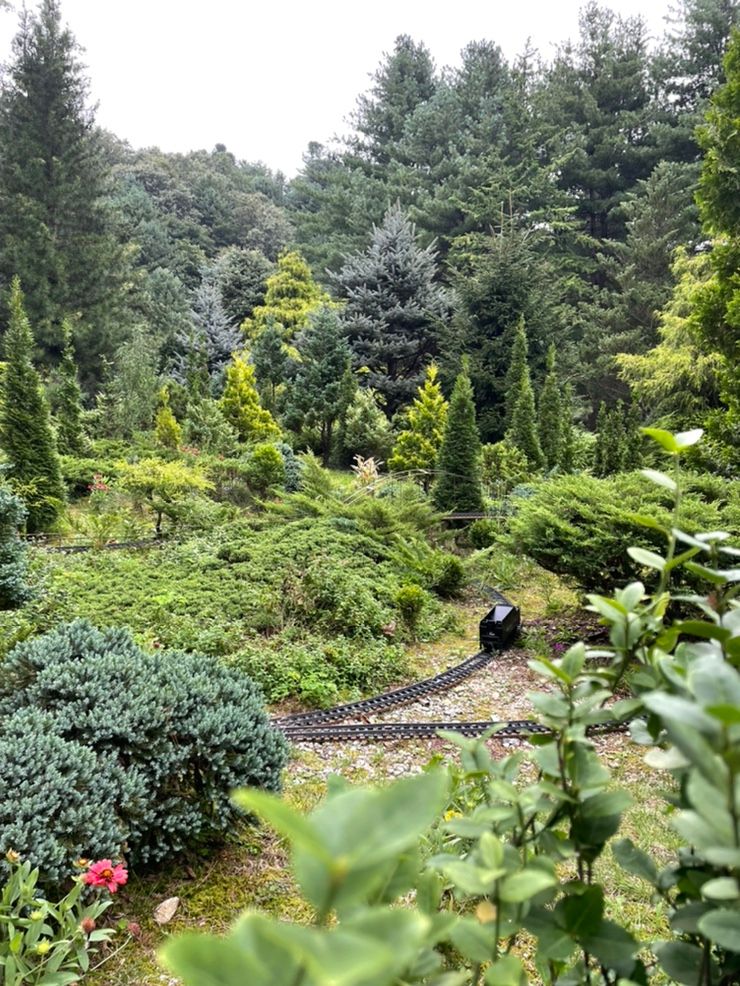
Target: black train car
(499, 627)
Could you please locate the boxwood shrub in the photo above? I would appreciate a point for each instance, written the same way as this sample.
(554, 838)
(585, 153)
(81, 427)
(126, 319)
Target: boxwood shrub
(175, 733)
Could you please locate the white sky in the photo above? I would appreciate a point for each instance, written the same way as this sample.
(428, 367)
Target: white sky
(266, 78)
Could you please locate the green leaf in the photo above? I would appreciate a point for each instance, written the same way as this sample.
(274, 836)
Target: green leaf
(606, 804)
(664, 438)
(613, 947)
(506, 971)
(660, 479)
(635, 861)
(284, 819)
(721, 888)
(526, 884)
(722, 927)
(473, 939)
(583, 913)
(648, 559)
(682, 962)
(205, 960)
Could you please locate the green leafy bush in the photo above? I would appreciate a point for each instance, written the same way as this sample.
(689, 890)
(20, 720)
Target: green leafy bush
(265, 468)
(320, 671)
(410, 600)
(182, 730)
(79, 473)
(14, 588)
(582, 526)
(482, 533)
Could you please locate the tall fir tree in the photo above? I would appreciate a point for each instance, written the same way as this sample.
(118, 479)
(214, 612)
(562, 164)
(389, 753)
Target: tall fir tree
(221, 338)
(523, 430)
(70, 436)
(567, 431)
(26, 434)
(550, 414)
(269, 357)
(320, 394)
(518, 363)
(55, 230)
(458, 486)
(418, 443)
(393, 308)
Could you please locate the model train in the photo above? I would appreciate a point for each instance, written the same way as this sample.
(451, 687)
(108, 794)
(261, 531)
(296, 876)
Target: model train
(499, 627)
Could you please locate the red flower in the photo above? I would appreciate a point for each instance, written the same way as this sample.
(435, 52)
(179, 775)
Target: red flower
(105, 874)
(88, 925)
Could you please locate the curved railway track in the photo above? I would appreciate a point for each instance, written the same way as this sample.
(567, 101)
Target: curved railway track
(330, 725)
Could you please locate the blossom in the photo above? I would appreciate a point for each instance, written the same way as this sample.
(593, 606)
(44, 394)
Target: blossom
(88, 925)
(105, 874)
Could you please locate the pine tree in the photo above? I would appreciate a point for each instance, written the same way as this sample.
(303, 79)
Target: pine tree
(614, 447)
(394, 307)
(458, 487)
(518, 363)
(291, 296)
(221, 338)
(567, 431)
(523, 431)
(418, 445)
(241, 406)
(270, 359)
(550, 417)
(319, 394)
(55, 230)
(26, 435)
(70, 437)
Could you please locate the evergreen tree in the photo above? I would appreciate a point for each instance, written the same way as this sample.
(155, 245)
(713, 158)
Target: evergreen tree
(458, 487)
(550, 416)
(270, 360)
(567, 431)
(55, 231)
(222, 337)
(718, 301)
(70, 438)
(418, 444)
(166, 428)
(241, 277)
(522, 433)
(128, 402)
(518, 364)
(365, 430)
(402, 83)
(319, 394)
(615, 444)
(241, 405)
(26, 435)
(393, 308)
(291, 296)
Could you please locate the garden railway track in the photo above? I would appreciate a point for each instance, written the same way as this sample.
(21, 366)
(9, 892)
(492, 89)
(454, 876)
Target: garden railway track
(330, 725)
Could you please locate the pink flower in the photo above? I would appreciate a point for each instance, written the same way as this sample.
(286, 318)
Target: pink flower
(105, 874)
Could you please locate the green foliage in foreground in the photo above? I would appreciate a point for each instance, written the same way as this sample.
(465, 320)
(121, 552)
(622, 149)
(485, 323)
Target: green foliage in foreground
(510, 866)
(43, 942)
(581, 526)
(14, 588)
(106, 746)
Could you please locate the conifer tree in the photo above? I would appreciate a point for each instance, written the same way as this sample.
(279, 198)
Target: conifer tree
(394, 307)
(241, 405)
(418, 444)
(291, 296)
(567, 431)
(320, 395)
(166, 428)
(26, 435)
(55, 227)
(550, 417)
(269, 358)
(221, 338)
(614, 448)
(518, 363)
(458, 487)
(523, 430)
(70, 438)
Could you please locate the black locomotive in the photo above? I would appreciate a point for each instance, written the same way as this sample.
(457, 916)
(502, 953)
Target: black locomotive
(499, 627)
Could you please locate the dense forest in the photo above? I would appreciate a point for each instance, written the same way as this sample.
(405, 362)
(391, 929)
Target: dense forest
(270, 445)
